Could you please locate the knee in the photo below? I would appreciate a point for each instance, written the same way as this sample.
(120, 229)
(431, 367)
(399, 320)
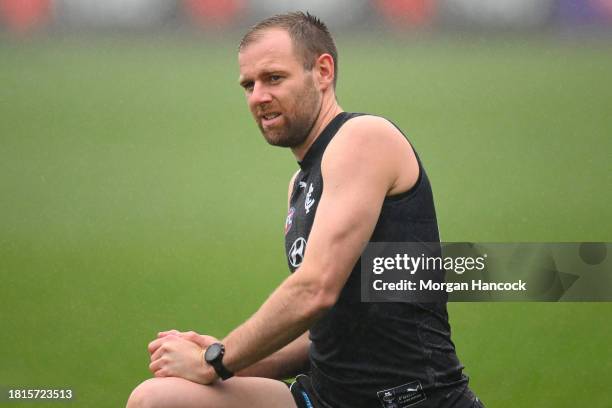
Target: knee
(147, 395)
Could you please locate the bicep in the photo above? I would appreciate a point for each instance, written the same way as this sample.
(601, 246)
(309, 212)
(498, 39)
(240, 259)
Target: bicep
(355, 185)
(346, 217)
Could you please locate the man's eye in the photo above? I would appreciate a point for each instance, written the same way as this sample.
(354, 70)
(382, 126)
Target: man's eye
(275, 78)
(248, 86)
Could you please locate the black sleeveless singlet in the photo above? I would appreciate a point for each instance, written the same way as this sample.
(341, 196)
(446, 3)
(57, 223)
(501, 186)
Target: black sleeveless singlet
(362, 349)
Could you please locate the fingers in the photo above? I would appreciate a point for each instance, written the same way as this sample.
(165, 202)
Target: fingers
(162, 357)
(156, 367)
(191, 336)
(176, 357)
(201, 340)
(206, 341)
(168, 332)
(158, 353)
(167, 345)
(155, 344)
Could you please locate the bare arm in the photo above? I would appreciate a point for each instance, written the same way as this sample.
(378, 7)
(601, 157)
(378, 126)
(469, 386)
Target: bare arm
(287, 362)
(366, 161)
(362, 165)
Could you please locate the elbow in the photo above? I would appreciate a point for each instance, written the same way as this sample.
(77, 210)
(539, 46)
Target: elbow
(320, 300)
(326, 300)
(317, 289)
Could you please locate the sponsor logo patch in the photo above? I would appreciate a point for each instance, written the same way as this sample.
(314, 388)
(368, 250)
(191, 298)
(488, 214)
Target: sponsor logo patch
(403, 396)
(296, 253)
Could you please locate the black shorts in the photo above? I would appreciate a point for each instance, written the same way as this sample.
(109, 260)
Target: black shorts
(305, 396)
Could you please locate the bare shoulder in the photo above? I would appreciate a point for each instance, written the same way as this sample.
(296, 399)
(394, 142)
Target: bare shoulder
(371, 128)
(371, 135)
(371, 143)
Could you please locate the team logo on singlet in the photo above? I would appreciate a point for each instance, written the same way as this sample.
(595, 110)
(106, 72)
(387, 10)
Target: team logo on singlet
(309, 200)
(296, 253)
(289, 220)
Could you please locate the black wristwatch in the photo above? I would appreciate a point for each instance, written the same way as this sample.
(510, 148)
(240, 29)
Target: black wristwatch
(214, 356)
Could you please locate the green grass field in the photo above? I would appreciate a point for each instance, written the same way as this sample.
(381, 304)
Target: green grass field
(137, 195)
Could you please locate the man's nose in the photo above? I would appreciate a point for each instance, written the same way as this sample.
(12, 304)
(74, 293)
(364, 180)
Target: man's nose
(260, 95)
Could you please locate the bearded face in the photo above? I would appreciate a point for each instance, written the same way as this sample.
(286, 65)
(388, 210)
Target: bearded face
(282, 95)
(287, 123)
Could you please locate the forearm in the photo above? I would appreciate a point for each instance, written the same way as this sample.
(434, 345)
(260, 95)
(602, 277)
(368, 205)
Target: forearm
(291, 310)
(285, 363)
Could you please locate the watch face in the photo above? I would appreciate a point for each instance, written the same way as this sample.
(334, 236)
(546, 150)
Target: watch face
(212, 352)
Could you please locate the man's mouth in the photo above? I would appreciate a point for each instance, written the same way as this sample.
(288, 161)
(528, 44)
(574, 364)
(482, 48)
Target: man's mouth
(269, 118)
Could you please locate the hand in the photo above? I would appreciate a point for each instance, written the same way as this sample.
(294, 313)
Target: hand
(201, 339)
(177, 357)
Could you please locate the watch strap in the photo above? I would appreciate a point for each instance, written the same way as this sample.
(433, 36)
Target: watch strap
(221, 371)
(217, 363)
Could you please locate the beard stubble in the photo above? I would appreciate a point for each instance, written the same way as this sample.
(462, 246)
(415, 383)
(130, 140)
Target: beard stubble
(297, 127)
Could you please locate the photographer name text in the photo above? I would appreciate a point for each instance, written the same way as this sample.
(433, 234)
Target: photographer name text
(433, 286)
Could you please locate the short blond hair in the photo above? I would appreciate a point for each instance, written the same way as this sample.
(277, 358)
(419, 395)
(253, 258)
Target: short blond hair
(309, 35)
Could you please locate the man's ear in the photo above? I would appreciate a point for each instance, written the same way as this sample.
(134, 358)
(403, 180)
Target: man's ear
(325, 71)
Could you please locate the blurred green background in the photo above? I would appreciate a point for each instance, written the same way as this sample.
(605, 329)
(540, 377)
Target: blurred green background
(137, 195)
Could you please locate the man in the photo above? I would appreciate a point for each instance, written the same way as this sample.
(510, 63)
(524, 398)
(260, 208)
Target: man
(362, 179)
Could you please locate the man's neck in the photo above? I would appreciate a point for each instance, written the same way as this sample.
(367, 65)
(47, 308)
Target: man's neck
(328, 112)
